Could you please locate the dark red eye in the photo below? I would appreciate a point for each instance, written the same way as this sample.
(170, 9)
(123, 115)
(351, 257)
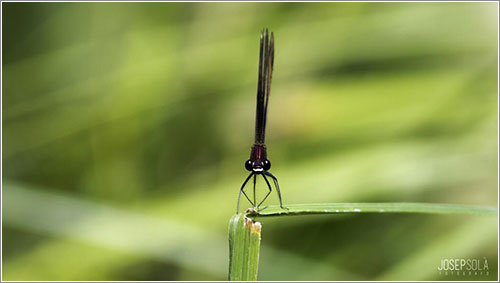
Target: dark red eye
(267, 165)
(248, 165)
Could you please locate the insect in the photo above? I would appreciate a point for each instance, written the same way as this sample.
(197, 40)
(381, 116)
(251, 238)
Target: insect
(258, 164)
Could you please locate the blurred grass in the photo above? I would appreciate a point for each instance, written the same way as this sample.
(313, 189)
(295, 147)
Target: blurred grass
(125, 128)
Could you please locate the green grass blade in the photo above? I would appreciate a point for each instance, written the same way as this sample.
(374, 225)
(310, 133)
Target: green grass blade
(244, 234)
(404, 207)
(236, 246)
(253, 251)
(244, 248)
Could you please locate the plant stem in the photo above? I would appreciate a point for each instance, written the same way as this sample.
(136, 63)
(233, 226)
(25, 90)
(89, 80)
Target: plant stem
(244, 248)
(343, 208)
(244, 233)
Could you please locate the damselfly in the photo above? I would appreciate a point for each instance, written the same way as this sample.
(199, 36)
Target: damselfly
(258, 164)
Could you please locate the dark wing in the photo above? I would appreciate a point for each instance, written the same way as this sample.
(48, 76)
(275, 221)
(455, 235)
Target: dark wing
(266, 64)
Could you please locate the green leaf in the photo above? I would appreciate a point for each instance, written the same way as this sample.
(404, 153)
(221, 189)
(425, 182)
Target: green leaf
(342, 208)
(244, 234)
(244, 248)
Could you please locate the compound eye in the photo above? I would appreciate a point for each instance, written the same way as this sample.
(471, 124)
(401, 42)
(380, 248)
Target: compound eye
(267, 165)
(248, 165)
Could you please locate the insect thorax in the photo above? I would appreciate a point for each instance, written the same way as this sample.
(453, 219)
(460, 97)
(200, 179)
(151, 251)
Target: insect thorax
(258, 152)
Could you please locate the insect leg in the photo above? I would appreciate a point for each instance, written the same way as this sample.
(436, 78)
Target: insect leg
(242, 191)
(254, 182)
(268, 193)
(277, 188)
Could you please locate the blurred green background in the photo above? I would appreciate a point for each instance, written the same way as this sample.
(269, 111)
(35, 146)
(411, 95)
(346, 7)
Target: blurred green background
(126, 127)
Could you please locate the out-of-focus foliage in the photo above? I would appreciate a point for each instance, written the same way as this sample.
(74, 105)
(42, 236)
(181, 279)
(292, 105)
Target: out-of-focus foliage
(126, 127)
